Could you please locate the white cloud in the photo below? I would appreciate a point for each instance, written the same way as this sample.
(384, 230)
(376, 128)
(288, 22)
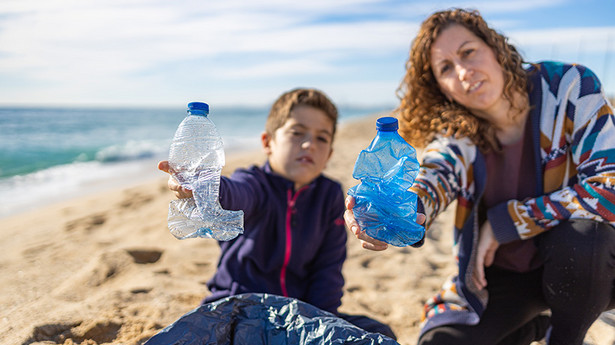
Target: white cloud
(123, 50)
(593, 38)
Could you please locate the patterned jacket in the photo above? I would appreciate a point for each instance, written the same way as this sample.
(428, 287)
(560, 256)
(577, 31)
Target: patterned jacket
(573, 128)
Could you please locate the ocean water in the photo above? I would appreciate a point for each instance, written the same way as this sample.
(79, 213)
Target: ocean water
(54, 154)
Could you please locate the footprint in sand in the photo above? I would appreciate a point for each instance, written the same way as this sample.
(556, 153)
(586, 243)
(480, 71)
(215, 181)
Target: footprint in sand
(51, 332)
(103, 269)
(134, 200)
(94, 332)
(354, 288)
(140, 291)
(95, 273)
(366, 262)
(88, 223)
(145, 256)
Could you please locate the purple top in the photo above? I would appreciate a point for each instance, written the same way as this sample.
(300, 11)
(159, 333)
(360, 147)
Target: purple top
(511, 175)
(294, 242)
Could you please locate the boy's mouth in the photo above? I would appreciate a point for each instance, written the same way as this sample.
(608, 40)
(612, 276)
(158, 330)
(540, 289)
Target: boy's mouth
(305, 159)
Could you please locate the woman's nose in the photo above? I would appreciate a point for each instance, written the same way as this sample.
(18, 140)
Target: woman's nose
(463, 71)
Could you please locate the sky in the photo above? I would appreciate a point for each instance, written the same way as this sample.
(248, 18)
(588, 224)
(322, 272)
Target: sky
(246, 53)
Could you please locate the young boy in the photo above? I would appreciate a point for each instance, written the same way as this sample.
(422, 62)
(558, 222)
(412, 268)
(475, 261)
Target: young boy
(294, 240)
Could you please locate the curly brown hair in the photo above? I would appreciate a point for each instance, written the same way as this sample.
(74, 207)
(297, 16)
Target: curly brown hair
(424, 111)
(281, 108)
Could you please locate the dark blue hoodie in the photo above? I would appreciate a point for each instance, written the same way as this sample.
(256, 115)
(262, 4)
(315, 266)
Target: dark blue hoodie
(294, 242)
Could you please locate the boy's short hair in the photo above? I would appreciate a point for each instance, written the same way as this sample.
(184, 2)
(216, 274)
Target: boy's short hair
(281, 108)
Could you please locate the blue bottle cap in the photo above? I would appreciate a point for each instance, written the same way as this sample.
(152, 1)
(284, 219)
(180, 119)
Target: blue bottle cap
(198, 107)
(387, 124)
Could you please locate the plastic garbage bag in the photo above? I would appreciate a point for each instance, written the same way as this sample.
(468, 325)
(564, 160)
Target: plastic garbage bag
(254, 319)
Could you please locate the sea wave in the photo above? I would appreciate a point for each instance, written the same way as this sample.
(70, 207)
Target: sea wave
(109, 167)
(67, 181)
(131, 150)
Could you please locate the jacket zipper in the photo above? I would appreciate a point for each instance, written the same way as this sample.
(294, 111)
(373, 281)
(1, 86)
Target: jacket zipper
(289, 239)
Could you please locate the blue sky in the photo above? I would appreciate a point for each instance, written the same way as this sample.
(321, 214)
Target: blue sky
(245, 52)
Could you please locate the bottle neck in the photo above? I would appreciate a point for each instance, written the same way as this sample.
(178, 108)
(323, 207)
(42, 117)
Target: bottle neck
(383, 136)
(386, 134)
(197, 112)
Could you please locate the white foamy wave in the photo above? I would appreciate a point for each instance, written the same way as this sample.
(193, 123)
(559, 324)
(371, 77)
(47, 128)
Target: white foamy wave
(236, 143)
(132, 150)
(64, 182)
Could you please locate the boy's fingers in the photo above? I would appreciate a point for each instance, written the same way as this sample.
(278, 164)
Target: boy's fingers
(179, 191)
(172, 184)
(163, 166)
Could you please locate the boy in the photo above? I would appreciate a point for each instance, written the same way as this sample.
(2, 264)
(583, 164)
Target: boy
(294, 240)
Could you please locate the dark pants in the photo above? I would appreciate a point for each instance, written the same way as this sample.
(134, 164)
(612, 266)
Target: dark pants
(369, 324)
(576, 283)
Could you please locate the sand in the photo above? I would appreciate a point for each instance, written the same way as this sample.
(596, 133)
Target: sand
(103, 269)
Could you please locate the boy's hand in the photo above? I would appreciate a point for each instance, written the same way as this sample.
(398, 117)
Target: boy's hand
(179, 191)
(367, 241)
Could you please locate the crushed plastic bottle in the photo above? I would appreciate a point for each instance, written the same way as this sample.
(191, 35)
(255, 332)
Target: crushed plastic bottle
(196, 158)
(384, 207)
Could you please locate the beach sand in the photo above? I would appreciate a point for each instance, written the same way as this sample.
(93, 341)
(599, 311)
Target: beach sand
(104, 269)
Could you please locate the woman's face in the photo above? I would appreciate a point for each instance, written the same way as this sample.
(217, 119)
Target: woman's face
(467, 71)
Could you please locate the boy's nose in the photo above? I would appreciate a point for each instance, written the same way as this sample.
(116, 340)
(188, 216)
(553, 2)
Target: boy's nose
(307, 143)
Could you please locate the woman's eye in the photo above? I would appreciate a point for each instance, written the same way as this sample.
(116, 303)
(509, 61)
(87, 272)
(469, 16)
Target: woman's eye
(467, 52)
(445, 69)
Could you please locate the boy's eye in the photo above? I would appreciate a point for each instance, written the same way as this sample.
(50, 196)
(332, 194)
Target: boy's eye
(323, 139)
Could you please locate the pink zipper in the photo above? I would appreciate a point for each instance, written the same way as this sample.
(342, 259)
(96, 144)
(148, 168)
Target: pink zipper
(289, 238)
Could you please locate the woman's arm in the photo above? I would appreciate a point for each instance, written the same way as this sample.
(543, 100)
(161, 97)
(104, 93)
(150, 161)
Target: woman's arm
(578, 147)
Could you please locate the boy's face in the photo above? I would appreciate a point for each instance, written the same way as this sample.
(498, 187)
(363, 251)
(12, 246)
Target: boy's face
(300, 149)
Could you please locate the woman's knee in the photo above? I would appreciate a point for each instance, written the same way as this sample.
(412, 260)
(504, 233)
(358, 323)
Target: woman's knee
(579, 243)
(579, 264)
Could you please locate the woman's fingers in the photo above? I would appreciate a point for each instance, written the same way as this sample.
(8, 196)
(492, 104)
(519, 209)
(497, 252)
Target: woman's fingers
(371, 243)
(351, 222)
(420, 218)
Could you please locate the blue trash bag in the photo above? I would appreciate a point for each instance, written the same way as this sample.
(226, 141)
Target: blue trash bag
(254, 319)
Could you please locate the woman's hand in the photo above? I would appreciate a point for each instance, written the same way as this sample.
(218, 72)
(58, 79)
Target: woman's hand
(487, 246)
(179, 191)
(367, 241)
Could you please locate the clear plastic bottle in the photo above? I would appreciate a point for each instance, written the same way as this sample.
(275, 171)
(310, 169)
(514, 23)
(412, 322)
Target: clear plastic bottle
(196, 158)
(384, 207)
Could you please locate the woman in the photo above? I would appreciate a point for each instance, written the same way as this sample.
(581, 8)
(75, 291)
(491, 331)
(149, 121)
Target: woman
(527, 151)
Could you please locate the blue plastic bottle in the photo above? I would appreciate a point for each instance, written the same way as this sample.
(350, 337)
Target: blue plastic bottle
(384, 207)
(196, 158)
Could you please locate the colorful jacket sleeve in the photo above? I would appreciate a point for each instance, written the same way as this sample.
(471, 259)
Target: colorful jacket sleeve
(577, 139)
(446, 174)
